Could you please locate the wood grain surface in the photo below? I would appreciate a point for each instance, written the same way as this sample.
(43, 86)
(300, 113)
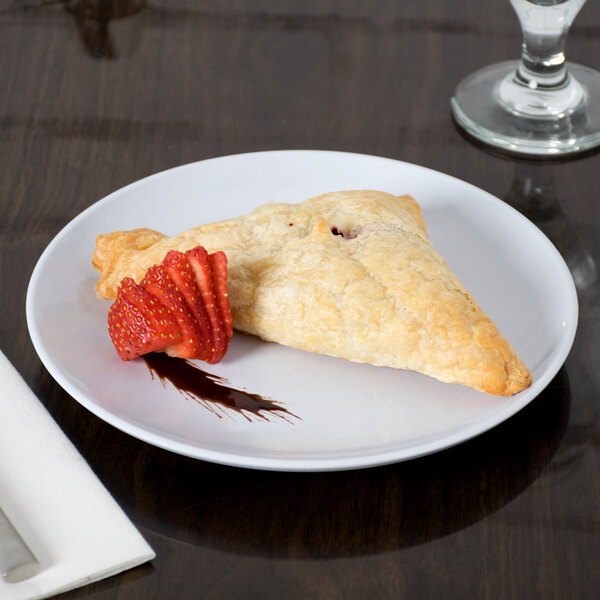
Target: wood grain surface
(96, 94)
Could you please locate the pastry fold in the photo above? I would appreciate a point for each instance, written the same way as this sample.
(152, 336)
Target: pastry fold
(350, 274)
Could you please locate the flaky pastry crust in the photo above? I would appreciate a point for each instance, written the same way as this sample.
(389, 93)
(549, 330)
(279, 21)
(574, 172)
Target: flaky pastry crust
(349, 274)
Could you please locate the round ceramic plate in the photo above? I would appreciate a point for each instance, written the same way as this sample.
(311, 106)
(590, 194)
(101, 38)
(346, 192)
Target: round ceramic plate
(347, 415)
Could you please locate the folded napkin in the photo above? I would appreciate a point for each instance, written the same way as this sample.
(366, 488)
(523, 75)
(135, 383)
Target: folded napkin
(68, 519)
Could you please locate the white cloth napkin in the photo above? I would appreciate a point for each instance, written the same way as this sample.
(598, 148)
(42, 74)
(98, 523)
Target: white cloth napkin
(68, 519)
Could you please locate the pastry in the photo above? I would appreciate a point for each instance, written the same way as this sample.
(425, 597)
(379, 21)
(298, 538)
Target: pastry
(350, 274)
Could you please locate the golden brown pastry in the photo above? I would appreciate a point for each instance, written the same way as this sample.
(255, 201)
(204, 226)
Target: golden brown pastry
(349, 274)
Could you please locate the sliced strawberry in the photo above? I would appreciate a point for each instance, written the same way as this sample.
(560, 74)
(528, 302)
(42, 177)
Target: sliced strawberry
(138, 323)
(202, 268)
(181, 273)
(191, 341)
(218, 260)
(181, 307)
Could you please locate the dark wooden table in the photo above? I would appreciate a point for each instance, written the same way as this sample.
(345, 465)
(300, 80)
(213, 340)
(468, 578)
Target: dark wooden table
(97, 94)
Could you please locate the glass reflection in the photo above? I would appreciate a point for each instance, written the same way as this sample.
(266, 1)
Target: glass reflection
(533, 193)
(93, 18)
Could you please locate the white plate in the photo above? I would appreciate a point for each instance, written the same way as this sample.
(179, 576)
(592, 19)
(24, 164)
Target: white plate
(350, 415)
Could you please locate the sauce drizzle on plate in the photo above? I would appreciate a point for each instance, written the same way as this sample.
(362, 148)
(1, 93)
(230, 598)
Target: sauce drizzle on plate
(212, 391)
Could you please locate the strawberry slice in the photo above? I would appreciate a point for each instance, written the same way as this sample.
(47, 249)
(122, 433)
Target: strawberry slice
(201, 264)
(138, 324)
(181, 307)
(218, 261)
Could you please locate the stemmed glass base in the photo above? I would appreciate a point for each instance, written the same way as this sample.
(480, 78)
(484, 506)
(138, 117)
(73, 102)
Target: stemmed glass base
(497, 108)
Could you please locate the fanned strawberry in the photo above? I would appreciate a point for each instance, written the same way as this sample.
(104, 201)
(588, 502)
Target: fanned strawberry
(181, 308)
(138, 323)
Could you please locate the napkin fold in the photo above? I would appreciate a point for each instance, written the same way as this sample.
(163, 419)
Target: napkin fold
(71, 523)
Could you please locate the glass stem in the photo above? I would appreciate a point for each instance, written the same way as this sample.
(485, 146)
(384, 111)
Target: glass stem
(545, 24)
